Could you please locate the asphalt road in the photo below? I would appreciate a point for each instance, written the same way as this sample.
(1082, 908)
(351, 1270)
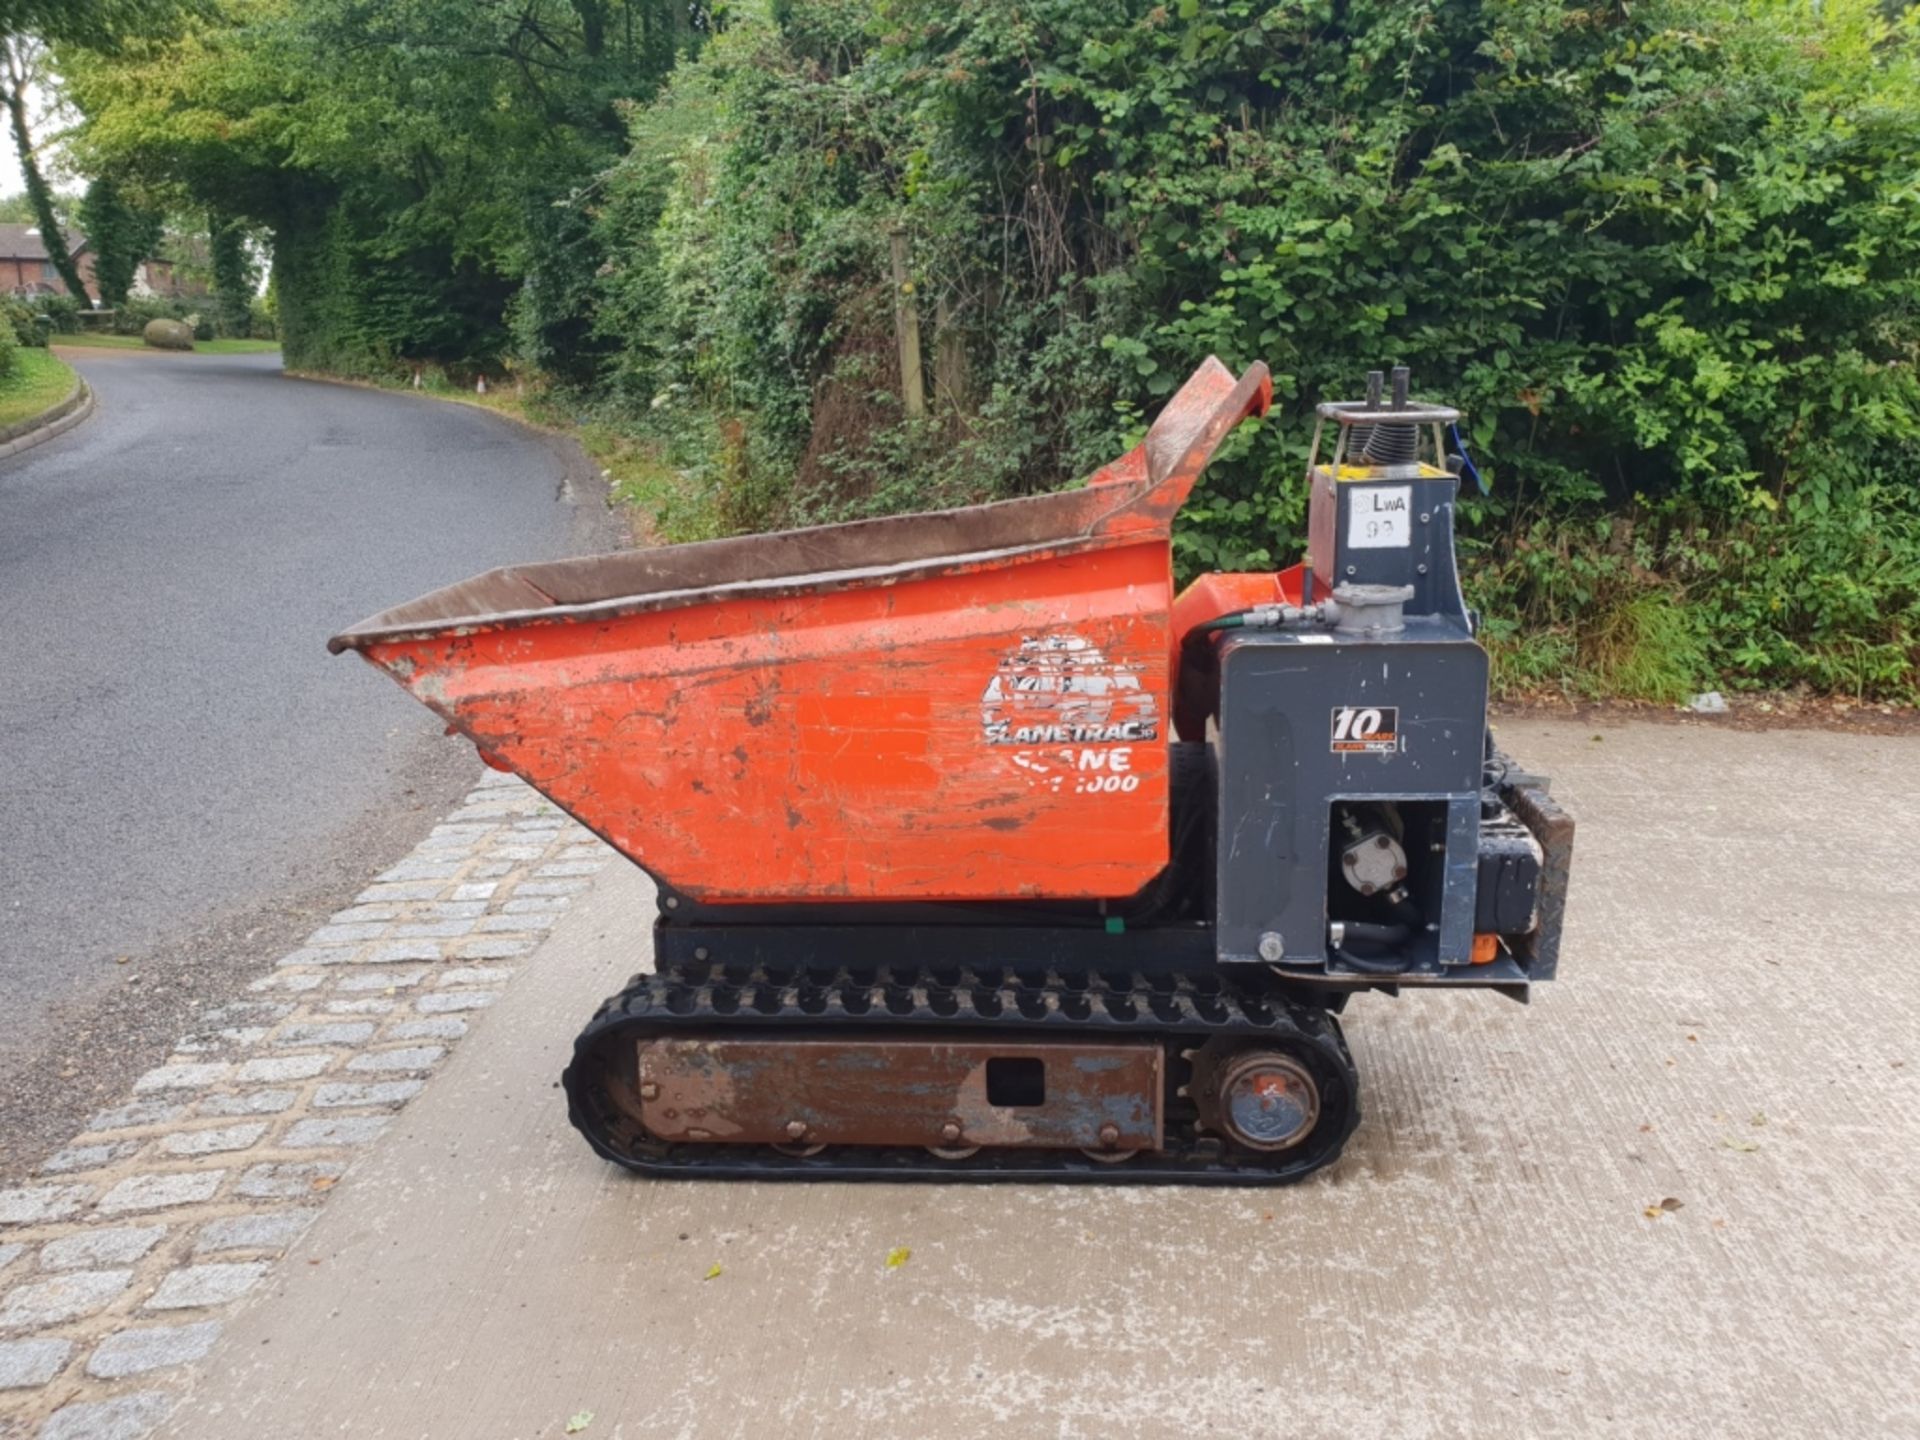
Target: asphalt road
(188, 777)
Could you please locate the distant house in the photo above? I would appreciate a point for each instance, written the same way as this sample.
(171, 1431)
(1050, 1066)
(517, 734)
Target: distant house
(157, 277)
(26, 269)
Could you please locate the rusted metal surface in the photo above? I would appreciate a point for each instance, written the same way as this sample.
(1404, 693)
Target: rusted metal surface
(913, 1090)
(964, 705)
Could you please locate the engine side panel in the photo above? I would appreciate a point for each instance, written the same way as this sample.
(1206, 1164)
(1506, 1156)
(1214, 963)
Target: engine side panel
(1308, 720)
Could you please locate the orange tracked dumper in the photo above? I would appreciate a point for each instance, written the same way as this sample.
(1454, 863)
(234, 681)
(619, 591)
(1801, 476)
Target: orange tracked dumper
(980, 855)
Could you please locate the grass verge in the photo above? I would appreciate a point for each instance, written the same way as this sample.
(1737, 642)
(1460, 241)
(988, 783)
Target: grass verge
(91, 341)
(39, 381)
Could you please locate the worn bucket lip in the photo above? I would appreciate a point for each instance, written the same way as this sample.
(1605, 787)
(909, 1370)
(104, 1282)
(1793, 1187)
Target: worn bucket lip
(1130, 501)
(389, 627)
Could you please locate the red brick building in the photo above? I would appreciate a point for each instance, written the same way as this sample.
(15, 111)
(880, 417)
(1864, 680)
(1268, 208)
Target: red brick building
(25, 268)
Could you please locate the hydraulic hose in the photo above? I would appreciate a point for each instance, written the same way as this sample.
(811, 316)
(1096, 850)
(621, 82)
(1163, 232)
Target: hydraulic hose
(1232, 621)
(1362, 932)
(1371, 965)
(1267, 617)
(1368, 933)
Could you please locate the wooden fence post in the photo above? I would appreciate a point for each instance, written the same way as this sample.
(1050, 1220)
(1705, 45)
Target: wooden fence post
(906, 328)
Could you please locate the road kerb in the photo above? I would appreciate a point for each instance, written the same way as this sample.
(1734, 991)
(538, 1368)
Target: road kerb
(53, 421)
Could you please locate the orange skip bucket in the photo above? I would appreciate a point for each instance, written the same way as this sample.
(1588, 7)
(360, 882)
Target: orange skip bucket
(961, 705)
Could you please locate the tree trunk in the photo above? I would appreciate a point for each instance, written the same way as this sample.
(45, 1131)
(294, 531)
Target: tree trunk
(19, 69)
(593, 26)
(233, 276)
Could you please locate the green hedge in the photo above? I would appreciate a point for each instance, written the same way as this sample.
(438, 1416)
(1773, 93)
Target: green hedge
(354, 301)
(1665, 256)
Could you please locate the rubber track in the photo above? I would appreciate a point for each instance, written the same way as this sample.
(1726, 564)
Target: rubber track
(1024, 1004)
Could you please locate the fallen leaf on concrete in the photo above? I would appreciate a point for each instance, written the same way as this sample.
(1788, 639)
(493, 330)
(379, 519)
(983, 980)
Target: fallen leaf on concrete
(1745, 1147)
(579, 1422)
(323, 1182)
(898, 1256)
(714, 1273)
(1663, 1207)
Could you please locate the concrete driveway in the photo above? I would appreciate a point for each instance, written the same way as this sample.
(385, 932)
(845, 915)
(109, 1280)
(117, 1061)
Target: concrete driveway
(1735, 1036)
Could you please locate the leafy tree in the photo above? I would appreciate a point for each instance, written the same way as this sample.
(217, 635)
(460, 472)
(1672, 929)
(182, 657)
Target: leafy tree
(21, 62)
(87, 22)
(17, 209)
(418, 164)
(121, 233)
(26, 29)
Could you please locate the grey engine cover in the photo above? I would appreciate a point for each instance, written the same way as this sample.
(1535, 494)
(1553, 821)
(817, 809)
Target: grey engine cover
(1308, 719)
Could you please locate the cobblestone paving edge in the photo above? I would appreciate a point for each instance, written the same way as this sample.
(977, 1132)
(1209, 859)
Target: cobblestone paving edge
(139, 1239)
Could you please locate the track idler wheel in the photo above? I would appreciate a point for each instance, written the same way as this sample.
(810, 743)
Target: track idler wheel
(1262, 1099)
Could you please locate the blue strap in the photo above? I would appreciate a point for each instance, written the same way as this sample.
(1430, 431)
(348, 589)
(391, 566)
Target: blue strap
(1466, 460)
